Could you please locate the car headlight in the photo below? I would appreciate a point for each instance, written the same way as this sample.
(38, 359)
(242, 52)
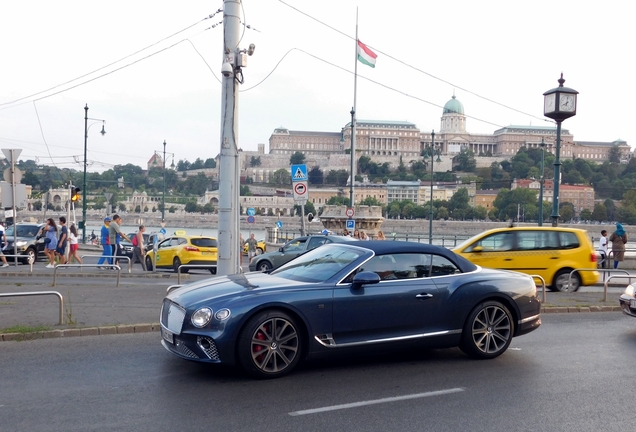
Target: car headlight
(222, 314)
(20, 243)
(201, 317)
(630, 290)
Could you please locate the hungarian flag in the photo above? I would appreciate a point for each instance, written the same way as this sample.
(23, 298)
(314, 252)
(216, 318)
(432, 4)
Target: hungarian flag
(365, 55)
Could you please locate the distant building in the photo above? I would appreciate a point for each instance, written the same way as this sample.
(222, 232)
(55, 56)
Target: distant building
(581, 196)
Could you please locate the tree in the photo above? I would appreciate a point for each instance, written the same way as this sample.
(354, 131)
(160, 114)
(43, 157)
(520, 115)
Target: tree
(191, 207)
(281, 178)
(137, 208)
(315, 176)
(309, 208)
(208, 208)
(465, 161)
(600, 213)
(255, 161)
(614, 155)
(585, 215)
(338, 200)
(371, 201)
(566, 211)
(297, 158)
(209, 163)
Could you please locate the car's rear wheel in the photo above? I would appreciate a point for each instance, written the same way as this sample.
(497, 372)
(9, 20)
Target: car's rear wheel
(488, 331)
(264, 266)
(269, 345)
(148, 264)
(213, 271)
(176, 263)
(562, 281)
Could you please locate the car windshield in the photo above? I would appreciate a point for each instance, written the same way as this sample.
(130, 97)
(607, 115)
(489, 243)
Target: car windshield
(23, 231)
(204, 242)
(320, 264)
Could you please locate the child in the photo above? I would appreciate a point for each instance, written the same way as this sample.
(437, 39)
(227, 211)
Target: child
(73, 244)
(602, 248)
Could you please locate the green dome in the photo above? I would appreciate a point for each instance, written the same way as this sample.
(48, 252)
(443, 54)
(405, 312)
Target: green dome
(453, 106)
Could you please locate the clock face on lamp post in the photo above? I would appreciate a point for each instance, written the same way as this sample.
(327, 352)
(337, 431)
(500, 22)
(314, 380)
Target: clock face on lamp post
(548, 103)
(567, 103)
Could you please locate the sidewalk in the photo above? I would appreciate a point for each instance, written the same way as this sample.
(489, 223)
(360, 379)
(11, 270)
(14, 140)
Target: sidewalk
(94, 305)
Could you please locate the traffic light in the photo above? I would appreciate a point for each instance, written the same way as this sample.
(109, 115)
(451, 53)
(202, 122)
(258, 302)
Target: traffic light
(75, 194)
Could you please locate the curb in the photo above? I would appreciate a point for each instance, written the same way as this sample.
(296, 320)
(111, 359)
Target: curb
(86, 331)
(124, 275)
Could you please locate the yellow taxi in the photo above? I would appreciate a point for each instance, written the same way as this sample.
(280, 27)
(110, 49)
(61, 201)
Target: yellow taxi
(260, 247)
(181, 249)
(550, 252)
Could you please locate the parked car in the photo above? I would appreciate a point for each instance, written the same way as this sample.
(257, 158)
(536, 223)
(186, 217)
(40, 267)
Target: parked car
(550, 252)
(291, 249)
(349, 296)
(627, 301)
(174, 251)
(28, 243)
(260, 247)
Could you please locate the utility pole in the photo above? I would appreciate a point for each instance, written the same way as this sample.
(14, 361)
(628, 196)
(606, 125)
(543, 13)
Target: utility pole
(229, 166)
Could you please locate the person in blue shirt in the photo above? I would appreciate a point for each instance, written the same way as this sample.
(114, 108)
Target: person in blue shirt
(105, 242)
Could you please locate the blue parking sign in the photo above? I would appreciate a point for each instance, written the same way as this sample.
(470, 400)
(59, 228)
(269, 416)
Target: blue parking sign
(351, 224)
(279, 224)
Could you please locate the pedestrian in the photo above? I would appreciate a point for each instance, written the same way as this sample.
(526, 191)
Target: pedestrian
(93, 237)
(251, 247)
(107, 251)
(139, 251)
(381, 236)
(618, 239)
(60, 251)
(115, 234)
(364, 236)
(602, 249)
(345, 233)
(49, 231)
(73, 245)
(356, 234)
(3, 243)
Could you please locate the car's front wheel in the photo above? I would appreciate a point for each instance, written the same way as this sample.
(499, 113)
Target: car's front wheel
(269, 345)
(562, 281)
(264, 266)
(31, 252)
(488, 331)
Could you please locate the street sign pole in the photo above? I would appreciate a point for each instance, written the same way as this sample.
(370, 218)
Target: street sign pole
(12, 155)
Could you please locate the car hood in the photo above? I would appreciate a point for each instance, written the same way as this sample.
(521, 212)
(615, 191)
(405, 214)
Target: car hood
(223, 286)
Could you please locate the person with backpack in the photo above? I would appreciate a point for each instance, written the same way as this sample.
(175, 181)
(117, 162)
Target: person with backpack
(105, 240)
(139, 251)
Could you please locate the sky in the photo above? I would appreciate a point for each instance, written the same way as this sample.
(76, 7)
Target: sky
(151, 70)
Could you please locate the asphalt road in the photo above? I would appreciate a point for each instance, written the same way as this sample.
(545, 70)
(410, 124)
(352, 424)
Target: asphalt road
(573, 374)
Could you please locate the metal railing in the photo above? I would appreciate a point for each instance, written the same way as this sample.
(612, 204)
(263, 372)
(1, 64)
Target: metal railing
(193, 266)
(30, 259)
(545, 298)
(114, 257)
(614, 276)
(594, 269)
(172, 287)
(34, 293)
(116, 267)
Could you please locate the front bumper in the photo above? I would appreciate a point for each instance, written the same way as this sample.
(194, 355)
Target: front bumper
(628, 305)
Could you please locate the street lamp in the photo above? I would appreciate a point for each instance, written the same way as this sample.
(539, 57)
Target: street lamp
(559, 104)
(103, 132)
(163, 204)
(541, 181)
(430, 218)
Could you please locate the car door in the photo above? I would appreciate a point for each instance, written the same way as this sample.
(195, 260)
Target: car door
(290, 251)
(404, 304)
(493, 251)
(165, 252)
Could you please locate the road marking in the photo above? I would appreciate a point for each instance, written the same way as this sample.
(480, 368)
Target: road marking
(376, 401)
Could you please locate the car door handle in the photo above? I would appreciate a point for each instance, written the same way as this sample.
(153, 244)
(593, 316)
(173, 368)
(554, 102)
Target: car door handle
(508, 259)
(425, 296)
(554, 257)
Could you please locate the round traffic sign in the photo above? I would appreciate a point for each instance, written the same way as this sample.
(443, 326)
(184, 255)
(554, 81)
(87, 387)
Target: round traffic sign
(350, 212)
(251, 211)
(300, 188)
(250, 219)
(279, 224)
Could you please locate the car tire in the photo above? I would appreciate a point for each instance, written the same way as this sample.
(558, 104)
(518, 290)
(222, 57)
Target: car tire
(561, 281)
(488, 331)
(264, 266)
(149, 264)
(175, 265)
(31, 252)
(269, 345)
(213, 271)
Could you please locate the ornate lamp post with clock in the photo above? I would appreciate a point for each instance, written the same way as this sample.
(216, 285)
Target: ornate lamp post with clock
(558, 104)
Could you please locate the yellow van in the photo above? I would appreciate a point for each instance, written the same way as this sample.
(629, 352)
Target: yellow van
(550, 252)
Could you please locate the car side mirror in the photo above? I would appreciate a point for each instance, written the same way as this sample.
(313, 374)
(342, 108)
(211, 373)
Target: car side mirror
(478, 249)
(281, 249)
(365, 278)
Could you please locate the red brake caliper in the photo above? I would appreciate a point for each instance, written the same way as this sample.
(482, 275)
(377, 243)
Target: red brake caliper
(256, 348)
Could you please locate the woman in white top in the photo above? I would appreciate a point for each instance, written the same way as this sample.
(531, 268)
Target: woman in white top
(73, 245)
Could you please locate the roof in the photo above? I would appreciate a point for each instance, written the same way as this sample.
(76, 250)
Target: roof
(381, 123)
(453, 106)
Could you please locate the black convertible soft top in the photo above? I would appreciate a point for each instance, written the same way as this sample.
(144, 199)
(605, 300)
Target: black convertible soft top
(382, 247)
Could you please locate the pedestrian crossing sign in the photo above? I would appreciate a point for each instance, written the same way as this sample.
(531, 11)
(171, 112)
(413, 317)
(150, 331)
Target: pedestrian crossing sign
(299, 173)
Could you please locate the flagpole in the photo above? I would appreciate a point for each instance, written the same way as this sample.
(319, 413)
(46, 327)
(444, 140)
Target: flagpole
(353, 115)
